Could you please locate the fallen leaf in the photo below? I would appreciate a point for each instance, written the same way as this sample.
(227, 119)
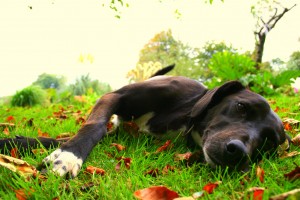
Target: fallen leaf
(260, 173)
(183, 156)
(296, 140)
(43, 134)
(96, 170)
(6, 131)
(18, 166)
(87, 186)
(184, 198)
(38, 151)
(291, 154)
(210, 187)
(153, 172)
(257, 193)
(156, 193)
(168, 168)
(131, 127)
(293, 193)
(7, 125)
(10, 119)
(166, 146)
(126, 161)
(14, 152)
(294, 174)
(22, 194)
(119, 147)
(80, 120)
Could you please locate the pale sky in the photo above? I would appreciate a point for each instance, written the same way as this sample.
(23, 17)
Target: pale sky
(50, 37)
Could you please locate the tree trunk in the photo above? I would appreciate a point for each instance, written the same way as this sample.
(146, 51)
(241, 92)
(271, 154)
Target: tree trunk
(261, 35)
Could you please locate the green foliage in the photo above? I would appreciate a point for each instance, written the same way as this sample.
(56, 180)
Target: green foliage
(29, 96)
(294, 61)
(84, 85)
(50, 81)
(190, 62)
(227, 66)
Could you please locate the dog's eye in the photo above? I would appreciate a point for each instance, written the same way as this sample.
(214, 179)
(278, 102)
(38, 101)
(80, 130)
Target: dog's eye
(241, 108)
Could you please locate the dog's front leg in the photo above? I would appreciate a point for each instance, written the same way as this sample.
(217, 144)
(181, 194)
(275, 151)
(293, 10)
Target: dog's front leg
(70, 156)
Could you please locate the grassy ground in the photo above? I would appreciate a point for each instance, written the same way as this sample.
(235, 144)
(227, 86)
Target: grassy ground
(121, 184)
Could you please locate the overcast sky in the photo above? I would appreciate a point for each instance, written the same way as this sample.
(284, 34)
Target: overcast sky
(48, 36)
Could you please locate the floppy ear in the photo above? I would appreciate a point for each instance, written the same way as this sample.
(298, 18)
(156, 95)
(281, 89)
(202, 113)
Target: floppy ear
(215, 96)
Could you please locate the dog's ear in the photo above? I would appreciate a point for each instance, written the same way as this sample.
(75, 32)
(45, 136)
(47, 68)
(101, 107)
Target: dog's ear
(215, 96)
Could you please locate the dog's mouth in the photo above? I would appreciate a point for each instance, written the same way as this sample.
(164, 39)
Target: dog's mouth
(242, 164)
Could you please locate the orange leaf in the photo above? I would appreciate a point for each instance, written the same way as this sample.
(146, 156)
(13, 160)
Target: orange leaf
(165, 146)
(209, 188)
(183, 156)
(127, 162)
(118, 146)
(155, 193)
(260, 173)
(43, 134)
(14, 152)
(96, 170)
(10, 119)
(22, 194)
(6, 131)
(257, 192)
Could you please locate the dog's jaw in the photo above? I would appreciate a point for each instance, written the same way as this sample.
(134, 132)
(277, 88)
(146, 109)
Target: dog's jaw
(64, 162)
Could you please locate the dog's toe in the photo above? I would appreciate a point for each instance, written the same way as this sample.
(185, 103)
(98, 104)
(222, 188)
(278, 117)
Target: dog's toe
(64, 162)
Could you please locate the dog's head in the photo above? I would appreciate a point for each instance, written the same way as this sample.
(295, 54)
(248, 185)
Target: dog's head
(235, 126)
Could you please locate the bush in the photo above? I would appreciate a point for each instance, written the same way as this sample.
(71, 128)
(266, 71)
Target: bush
(226, 66)
(29, 96)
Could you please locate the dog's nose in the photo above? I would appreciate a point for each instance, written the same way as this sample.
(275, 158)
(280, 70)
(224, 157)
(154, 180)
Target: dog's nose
(235, 149)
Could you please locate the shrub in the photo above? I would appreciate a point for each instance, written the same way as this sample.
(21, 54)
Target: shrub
(227, 66)
(29, 96)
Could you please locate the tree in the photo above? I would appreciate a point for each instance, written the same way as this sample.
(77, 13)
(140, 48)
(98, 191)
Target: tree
(294, 61)
(47, 81)
(275, 11)
(85, 85)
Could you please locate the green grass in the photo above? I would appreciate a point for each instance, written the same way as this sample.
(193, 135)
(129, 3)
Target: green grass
(122, 184)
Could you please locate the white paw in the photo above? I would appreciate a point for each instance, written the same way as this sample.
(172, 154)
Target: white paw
(64, 162)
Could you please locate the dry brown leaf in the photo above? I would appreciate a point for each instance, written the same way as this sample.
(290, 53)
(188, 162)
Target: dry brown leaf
(296, 140)
(156, 193)
(210, 187)
(119, 147)
(164, 147)
(22, 194)
(294, 174)
(183, 156)
(260, 174)
(291, 154)
(257, 193)
(96, 170)
(18, 166)
(293, 193)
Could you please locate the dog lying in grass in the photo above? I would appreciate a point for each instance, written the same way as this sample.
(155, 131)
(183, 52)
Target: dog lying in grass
(230, 124)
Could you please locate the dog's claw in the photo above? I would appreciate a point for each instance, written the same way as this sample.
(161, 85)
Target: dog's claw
(64, 162)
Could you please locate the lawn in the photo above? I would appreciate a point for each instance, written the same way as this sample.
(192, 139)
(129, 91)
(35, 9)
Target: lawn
(139, 165)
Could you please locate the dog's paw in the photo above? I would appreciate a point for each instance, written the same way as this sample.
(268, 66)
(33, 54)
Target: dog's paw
(64, 162)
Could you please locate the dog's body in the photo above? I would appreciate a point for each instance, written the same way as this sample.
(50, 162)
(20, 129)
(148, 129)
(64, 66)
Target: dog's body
(231, 124)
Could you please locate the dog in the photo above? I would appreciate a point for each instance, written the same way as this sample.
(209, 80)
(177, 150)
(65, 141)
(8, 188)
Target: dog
(230, 124)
